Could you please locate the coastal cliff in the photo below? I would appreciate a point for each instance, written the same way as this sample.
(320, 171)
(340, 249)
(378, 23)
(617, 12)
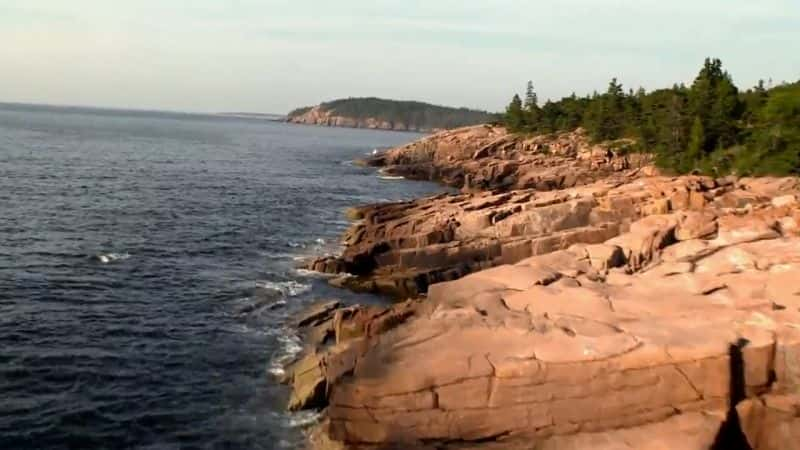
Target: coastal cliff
(381, 114)
(572, 296)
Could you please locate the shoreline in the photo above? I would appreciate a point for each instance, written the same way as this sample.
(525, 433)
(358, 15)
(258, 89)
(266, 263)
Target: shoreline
(558, 254)
(289, 121)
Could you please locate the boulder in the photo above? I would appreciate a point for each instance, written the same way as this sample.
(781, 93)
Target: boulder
(308, 383)
(695, 225)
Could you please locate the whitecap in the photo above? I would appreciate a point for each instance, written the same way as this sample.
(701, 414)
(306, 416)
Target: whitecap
(303, 419)
(289, 288)
(289, 346)
(106, 258)
(307, 273)
(389, 177)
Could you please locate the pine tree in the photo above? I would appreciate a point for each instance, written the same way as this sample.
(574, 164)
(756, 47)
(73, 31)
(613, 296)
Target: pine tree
(714, 99)
(532, 117)
(515, 114)
(531, 100)
(709, 126)
(610, 113)
(694, 152)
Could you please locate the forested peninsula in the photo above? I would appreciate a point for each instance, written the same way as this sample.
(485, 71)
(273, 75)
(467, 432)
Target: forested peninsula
(377, 113)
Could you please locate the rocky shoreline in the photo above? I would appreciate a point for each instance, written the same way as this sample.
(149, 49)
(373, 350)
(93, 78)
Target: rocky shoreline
(570, 297)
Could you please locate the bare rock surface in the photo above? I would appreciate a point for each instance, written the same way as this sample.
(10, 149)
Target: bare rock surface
(627, 311)
(401, 248)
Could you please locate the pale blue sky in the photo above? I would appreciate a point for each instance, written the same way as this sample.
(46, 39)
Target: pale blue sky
(272, 55)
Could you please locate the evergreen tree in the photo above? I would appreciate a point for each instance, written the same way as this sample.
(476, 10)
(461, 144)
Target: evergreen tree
(531, 100)
(709, 126)
(514, 114)
(774, 146)
(531, 106)
(752, 102)
(606, 113)
(695, 150)
(714, 99)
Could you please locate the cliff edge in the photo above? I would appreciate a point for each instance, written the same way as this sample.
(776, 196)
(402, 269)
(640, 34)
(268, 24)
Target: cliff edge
(571, 297)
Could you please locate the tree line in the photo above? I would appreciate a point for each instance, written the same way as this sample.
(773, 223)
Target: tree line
(709, 127)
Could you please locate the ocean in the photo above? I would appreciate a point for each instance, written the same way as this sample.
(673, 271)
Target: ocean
(148, 264)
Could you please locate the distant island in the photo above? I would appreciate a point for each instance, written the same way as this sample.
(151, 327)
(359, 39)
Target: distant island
(377, 113)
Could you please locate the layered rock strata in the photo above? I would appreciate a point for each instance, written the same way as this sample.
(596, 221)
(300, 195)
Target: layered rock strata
(534, 195)
(487, 157)
(622, 344)
(401, 248)
(330, 118)
(621, 311)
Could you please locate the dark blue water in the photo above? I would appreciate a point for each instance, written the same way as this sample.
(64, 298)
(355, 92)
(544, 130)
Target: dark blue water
(147, 265)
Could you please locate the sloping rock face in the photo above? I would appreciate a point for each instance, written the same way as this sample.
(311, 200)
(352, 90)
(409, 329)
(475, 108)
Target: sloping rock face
(487, 157)
(620, 310)
(400, 249)
(548, 193)
(642, 341)
(329, 118)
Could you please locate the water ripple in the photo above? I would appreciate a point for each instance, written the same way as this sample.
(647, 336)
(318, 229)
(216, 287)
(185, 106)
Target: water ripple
(147, 267)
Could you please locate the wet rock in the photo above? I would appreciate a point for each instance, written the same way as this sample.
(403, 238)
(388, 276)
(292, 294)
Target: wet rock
(316, 313)
(308, 383)
(324, 363)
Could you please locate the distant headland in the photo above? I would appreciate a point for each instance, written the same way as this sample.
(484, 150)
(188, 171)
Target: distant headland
(383, 114)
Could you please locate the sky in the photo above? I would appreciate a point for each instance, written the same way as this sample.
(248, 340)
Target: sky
(274, 55)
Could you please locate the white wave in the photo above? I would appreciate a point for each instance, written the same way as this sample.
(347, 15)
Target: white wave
(307, 273)
(303, 419)
(389, 177)
(289, 346)
(106, 258)
(293, 244)
(320, 241)
(289, 288)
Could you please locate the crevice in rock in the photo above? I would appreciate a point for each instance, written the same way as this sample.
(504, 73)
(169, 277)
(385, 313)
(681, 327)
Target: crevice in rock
(730, 435)
(691, 384)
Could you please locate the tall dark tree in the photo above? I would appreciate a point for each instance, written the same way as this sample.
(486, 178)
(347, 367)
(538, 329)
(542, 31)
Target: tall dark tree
(531, 106)
(531, 99)
(605, 114)
(694, 152)
(514, 118)
(714, 99)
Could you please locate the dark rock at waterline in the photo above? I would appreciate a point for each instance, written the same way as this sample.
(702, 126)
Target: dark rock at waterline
(316, 313)
(333, 337)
